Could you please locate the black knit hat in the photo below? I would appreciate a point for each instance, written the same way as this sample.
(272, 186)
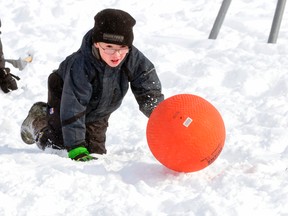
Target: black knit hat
(113, 26)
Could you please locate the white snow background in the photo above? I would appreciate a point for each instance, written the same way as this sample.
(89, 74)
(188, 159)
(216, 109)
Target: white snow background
(242, 75)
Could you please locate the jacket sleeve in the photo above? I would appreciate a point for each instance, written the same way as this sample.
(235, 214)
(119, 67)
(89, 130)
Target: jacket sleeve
(76, 94)
(144, 81)
(2, 60)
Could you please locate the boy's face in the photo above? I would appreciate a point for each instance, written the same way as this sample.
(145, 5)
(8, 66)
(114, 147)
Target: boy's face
(112, 54)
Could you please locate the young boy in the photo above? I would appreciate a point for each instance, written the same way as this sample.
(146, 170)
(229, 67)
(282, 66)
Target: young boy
(89, 85)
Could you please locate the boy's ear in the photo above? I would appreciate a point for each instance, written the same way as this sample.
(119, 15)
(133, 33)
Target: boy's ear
(96, 45)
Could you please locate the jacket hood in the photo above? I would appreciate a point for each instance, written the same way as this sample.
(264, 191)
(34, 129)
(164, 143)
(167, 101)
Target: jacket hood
(86, 46)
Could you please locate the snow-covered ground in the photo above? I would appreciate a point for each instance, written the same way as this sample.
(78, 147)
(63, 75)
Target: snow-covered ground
(239, 73)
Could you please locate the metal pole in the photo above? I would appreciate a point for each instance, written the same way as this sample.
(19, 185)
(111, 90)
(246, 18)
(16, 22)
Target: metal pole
(276, 21)
(219, 19)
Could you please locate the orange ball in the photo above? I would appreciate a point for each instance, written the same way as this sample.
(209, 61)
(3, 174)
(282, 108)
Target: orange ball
(185, 133)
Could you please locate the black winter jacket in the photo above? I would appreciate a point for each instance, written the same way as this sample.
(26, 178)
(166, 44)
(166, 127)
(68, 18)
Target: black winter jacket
(92, 89)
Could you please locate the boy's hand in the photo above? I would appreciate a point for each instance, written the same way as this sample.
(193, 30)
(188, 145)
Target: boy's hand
(80, 154)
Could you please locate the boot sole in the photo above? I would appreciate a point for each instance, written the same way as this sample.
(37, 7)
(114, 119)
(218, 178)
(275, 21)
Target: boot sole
(38, 110)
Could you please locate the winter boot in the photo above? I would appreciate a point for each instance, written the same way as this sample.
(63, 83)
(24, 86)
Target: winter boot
(35, 129)
(34, 123)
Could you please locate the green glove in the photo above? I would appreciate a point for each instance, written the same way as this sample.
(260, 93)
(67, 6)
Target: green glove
(80, 154)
